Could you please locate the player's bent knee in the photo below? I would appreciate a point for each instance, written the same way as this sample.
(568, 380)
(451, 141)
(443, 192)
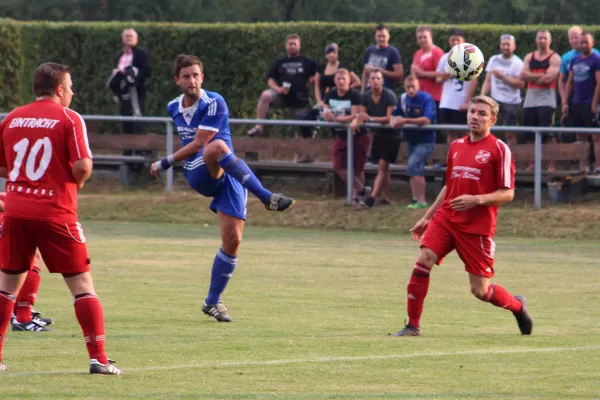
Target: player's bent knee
(427, 257)
(479, 291)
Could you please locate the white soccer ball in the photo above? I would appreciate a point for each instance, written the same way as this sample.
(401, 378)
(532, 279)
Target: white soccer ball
(465, 62)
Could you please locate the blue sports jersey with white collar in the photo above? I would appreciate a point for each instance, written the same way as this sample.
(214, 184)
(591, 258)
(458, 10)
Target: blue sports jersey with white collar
(210, 112)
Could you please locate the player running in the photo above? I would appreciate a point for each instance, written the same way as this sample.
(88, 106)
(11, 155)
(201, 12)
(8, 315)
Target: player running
(479, 177)
(212, 169)
(45, 156)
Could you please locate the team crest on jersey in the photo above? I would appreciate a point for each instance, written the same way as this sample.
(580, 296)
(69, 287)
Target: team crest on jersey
(417, 111)
(483, 156)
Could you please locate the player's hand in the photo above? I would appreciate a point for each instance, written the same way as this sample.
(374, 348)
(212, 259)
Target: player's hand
(328, 116)
(397, 122)
(154, 171)
(419, 229)
(464, 202)
(81, 185)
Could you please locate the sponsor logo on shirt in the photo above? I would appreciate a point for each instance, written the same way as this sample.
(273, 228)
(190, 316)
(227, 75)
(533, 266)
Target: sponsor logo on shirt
(483, 156)
(459, 172)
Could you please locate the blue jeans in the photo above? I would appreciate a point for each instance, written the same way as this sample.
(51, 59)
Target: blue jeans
(417, 156)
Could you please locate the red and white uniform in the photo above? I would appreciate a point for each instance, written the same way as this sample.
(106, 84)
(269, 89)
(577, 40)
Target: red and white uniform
(39, 143)
(473, 168)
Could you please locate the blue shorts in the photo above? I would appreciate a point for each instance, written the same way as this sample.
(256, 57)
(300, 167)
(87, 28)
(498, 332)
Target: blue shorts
(417, 156)
(229, 196)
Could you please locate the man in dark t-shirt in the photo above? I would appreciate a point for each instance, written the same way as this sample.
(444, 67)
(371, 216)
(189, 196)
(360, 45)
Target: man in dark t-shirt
(341, 105)
(289, 79)
(383, 57)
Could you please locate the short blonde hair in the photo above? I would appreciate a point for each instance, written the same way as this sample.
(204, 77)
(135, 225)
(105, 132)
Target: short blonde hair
(486, 100)
(342, 71)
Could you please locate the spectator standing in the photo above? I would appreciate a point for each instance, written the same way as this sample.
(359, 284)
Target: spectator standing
(128, 81)
(325, 76)
(377, 106)
(584, 84)
(416, 107)
(342, 104)
(540, 70)
(425, 63)
(289, 80)
(456, 94)
(503, 83)
(384, 58)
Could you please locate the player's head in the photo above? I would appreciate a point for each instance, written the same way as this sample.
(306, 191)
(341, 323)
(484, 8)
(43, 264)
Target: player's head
(376, 80)
(482, 114)
(543, 39)
(342, 80)
(424, 37)
(507, 45)
(382, 36)
(188, 74)
(411, 85)
(573, 34)
(586, 43)
(457, 36)
(129, 37)
(53, 81)
(292, 44)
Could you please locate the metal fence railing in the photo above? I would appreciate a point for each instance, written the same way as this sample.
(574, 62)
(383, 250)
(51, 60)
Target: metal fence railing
(539, 131)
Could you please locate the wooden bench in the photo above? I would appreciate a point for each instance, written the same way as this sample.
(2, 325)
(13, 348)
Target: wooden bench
(273, 156)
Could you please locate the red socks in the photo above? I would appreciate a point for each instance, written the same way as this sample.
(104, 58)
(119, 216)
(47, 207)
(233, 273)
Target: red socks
(416, 293)
(27, 295)
(7, 303)
(500, 297)
(91, 318)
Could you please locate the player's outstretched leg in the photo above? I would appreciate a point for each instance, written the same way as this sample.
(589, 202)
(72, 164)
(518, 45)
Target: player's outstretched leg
(218, 151)
(223, 266)
(10, 283)
(90, 316)
(417, 291)
(500, 297)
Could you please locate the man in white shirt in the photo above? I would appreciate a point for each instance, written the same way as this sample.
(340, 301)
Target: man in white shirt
(455, 94)
(503, 83)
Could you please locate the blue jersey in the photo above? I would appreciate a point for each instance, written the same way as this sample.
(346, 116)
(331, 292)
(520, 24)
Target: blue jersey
(422, 105)
(210, 112)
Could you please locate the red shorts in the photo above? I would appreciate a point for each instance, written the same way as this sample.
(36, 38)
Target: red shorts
(476, 251)
(61, 244)
(340, 153)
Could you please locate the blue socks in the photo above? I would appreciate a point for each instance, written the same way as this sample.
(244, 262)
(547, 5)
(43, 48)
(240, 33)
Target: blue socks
(243, 174)
(223, 267)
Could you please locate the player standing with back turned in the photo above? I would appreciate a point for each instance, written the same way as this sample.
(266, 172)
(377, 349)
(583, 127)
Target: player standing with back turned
(480, 175)
(45, 156)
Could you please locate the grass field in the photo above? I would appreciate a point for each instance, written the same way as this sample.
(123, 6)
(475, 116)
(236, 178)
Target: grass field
(312, 311)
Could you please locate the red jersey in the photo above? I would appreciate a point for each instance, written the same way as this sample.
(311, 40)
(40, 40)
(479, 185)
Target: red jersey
(428, 62)
(39, 143)
(475, 168)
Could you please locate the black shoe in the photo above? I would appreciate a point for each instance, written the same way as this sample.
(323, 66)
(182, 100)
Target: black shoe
(217, 311)
(365, 192)
(38, 316)
(278, 202)
(369, 202)
(96, 367)
(523, 318)
(3, 366)
(33, 326)
(409, 330)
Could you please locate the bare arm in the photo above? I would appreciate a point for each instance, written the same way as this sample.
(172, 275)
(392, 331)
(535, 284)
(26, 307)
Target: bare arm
(562, 87)
(487, 83)
(355, 81)
(526, 74)
(386, 119)
(318, 88)
(596, 93)
(417, 121)
(568, 89)
(362, 82)
(344, 119)
(273, 85)
(436, 204)
(515, 82)
(496, 198)
(396, 74)
(81, 170)
(552, 72)
(471, 92)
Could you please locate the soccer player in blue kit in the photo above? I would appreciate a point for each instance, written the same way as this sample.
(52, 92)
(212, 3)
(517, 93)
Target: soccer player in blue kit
(212, 169)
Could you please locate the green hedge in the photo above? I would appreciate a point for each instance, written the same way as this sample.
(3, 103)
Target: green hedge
(11, 67)
(236, 56)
